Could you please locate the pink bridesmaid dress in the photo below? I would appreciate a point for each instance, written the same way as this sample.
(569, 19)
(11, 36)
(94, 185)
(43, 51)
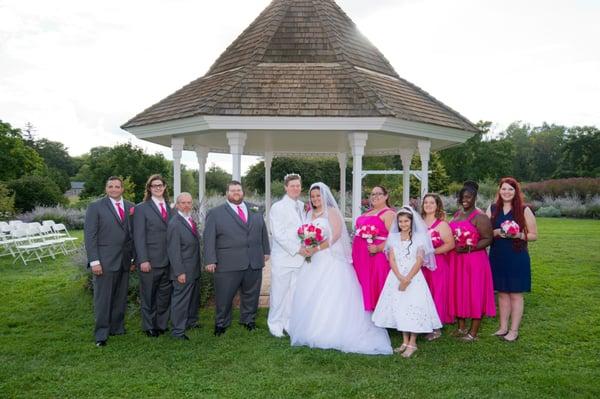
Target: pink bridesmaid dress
(371, 270)
(438, 280)
(471, 286)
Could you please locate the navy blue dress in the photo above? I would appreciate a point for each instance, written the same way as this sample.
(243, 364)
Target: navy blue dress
(511, 267)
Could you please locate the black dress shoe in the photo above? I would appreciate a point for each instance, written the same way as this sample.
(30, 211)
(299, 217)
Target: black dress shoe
(181, 337)
(250, 326)
(151, 333)
(219, 331)
(101, 343)
(161, 332)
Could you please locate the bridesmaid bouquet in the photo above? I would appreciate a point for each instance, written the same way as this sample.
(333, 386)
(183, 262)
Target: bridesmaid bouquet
(436, 238)
(310, 236)
(510, 228)
(368, 232)
(464, 238)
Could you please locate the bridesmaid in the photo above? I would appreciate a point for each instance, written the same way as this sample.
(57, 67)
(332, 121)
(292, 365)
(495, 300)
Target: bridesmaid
(370, 262)
(511, 265)
(434, 216)
(471, 285)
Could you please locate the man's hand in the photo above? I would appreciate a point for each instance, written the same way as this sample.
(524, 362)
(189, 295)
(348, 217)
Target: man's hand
(211, 268)
(181, 278)
(145, 267)
(267, 257)
(97, 270)
(132, 266)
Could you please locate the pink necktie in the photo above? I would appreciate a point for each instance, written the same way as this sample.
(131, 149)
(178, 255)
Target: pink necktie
(163, 211)
(241, 213)
(194, 228)
(121, 213)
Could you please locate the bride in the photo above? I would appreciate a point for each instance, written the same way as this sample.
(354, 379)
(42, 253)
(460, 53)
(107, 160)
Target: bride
(327, 310)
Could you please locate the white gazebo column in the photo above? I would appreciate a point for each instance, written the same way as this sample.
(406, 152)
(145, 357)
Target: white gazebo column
(343, 161)
(406, 154)
(357, 140)
(268, 162)
(424, 152)
(236, 140)
(177, 147)
(202, 155)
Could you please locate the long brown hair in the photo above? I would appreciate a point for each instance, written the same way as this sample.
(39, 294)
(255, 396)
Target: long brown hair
(439, 206)
(518, 208)
(385, 192)
(148, 192)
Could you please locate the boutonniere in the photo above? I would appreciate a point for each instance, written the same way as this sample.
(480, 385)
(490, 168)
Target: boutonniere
(131, 211)
(254, 208)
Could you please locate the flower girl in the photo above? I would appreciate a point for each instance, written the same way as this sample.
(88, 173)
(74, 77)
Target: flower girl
(405, 302)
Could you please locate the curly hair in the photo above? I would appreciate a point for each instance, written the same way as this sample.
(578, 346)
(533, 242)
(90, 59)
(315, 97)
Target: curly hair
(439, 206)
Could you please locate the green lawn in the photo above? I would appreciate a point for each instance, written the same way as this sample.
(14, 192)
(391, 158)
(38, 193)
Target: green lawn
(47, 350)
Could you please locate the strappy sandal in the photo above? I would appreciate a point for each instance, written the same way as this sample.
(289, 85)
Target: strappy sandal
(434, 335)
(459, 332)
(515, 334)
(401, 348)
(410, 350)
(500, 334)
(469, 338)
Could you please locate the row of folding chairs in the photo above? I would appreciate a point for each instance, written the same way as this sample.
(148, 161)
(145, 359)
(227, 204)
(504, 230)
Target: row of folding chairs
(35, 241)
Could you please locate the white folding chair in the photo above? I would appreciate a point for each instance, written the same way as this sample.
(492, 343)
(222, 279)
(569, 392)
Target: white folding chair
(61, 229)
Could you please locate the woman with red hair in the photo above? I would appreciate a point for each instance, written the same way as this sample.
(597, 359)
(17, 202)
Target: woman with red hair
(509, 258)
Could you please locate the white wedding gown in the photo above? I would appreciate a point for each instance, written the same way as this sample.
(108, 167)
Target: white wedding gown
(327, 309)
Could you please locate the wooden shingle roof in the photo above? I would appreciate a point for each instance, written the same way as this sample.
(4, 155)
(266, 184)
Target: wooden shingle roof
(302, 58)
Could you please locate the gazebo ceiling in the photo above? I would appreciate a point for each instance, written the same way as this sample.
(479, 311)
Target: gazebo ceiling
(302, 61)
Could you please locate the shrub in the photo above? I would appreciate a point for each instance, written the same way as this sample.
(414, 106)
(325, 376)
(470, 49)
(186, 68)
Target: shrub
(72, 218)
(7, 202)
(32, 191)
(580, 187)
(548, 212)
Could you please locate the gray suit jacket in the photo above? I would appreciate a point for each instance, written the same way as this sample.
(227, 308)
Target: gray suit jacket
(232, 244)
(150, 234)
(107, 238)
(183, 248)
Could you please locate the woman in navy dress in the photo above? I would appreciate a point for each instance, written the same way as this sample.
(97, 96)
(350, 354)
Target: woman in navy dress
(509, 258)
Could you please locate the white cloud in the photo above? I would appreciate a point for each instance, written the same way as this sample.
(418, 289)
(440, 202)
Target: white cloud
(78, 70)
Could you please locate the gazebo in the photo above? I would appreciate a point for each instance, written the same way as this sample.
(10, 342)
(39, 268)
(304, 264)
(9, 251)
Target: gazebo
(302, 80)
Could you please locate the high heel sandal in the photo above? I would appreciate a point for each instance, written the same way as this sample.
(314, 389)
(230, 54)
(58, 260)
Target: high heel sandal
(459, 332)
(514, 333)
(401, 348)
(469, 338)
(410, 350)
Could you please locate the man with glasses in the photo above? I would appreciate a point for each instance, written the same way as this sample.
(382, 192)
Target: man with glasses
(150, 223)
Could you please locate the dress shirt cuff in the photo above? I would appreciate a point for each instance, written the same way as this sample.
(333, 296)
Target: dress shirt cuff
(94, 263)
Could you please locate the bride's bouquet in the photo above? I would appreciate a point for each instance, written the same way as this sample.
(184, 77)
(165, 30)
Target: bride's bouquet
(464, 238)
(510, 228)
(310, 236)
(436, 238)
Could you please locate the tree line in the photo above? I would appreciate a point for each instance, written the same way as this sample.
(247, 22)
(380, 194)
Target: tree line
(38, 171)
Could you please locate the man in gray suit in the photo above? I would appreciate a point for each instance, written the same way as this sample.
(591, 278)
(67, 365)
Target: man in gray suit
(109, 248)
(236, 247)
(150, 238)
(184, 255)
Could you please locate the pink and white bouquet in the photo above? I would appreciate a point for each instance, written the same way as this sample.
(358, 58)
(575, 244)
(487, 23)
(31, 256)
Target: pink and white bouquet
(510, 228)
(436, 238)
(311, 236)
(464, 238)
(369, 233)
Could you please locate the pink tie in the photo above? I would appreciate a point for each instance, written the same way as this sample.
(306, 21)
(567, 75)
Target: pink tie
(194, 228)
(241, 213)
(121, 213)
(163, 211)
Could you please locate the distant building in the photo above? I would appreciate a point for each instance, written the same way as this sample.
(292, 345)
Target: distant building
(76, 189)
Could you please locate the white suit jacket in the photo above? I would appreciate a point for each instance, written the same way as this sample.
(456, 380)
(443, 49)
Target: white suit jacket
(284, 220)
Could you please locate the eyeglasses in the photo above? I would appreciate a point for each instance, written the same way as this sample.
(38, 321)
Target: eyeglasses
(157, 185)
(377, 194)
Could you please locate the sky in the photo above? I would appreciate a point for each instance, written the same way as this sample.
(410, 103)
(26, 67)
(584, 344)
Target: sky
(77, 70)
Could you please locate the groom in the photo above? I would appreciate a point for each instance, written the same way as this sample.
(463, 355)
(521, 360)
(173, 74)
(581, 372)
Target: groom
(287, 255)
(236, 247)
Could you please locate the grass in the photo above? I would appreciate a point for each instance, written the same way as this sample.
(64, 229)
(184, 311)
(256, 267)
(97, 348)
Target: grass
(46, 344)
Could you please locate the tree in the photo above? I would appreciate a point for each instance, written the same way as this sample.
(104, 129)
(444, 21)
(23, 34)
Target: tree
(216, 180)
(32, 191)
(123, 160)
(581, 153)
(16, 158)
(55, 156)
